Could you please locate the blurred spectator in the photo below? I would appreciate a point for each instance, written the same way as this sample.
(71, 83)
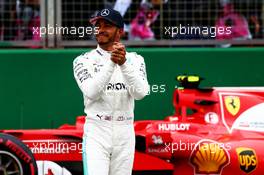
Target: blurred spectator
(122, 6)
(255, 26)
(252, 11)
(237, 22)
(142, 19)
(163, 17)
(28, 16)
(17, 17)
(140, 26)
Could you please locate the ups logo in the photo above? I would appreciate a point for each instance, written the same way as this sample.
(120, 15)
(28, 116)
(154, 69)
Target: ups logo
(247, 159)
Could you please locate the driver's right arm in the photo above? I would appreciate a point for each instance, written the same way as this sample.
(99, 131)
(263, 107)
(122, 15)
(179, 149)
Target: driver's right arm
(91, 77)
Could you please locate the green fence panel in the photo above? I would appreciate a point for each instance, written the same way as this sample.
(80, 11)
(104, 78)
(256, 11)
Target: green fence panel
(37, 88)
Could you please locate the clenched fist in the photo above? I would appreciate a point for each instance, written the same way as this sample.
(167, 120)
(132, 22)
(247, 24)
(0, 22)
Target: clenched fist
(118, 54)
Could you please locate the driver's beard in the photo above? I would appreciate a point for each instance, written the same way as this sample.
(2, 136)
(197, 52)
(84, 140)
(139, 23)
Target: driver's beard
(110, 41)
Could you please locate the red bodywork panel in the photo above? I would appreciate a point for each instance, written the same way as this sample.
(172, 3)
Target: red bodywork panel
(213, 131)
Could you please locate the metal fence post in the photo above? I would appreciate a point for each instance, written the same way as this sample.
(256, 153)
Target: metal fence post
(58, 13)
(51, 23)
(43, 21)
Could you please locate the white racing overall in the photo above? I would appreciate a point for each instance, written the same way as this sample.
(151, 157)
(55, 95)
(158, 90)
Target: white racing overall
(109, 91)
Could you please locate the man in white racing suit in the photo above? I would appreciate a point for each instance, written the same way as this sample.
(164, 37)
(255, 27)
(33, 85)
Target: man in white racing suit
(110, 79)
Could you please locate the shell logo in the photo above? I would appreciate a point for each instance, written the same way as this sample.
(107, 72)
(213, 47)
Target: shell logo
(209, 157)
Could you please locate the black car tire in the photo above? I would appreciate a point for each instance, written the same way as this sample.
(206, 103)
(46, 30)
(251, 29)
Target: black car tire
(16, 157)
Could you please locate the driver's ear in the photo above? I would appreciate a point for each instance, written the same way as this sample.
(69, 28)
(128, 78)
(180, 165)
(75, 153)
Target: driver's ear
(121, 32)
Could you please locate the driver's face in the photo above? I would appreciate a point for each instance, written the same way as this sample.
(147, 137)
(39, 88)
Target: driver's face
(107, 32)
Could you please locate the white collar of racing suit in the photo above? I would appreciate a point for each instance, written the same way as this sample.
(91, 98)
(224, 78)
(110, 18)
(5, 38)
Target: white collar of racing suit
(101, 51)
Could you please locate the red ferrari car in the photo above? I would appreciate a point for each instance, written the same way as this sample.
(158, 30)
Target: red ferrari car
(213, 131)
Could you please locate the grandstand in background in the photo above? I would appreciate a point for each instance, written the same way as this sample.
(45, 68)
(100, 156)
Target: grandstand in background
(147, 23)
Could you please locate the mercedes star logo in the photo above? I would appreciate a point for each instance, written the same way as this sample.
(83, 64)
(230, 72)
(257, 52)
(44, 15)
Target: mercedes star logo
(105, 12)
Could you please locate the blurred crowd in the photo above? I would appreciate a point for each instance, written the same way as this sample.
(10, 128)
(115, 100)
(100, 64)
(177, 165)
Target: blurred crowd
(17, 18)
(144, 19)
